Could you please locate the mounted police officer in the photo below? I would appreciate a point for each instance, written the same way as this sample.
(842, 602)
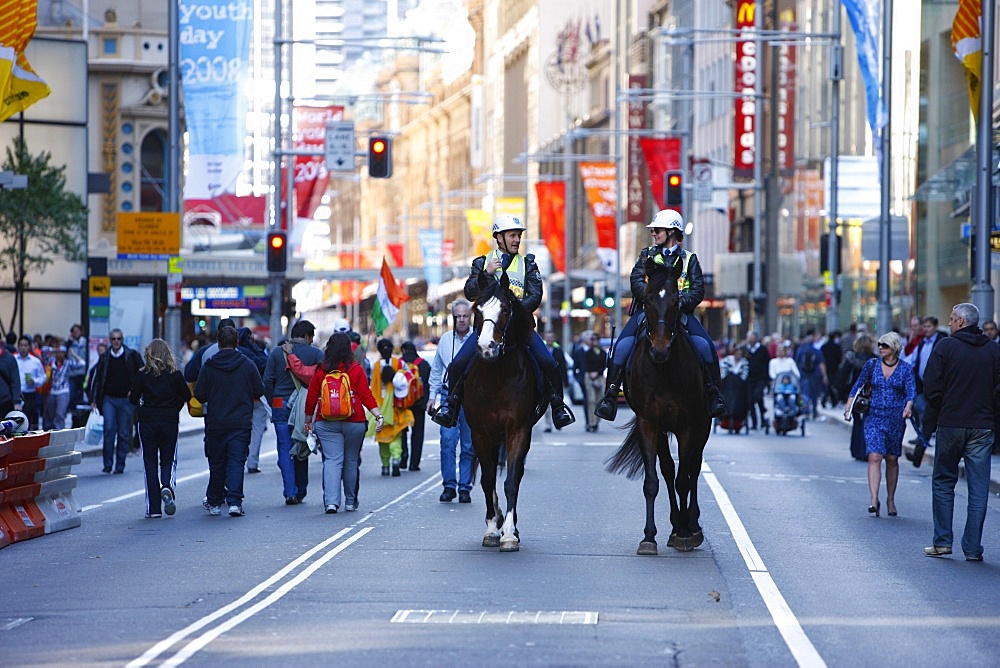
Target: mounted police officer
(667, 228)
(526, 285)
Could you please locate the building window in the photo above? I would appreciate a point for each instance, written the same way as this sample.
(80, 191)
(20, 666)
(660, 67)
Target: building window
(154, 172)
(110, 46)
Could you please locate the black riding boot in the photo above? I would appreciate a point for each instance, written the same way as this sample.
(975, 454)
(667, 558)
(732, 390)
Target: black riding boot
(607, 408)
(713, 378)
(562, 416)
(447, 414)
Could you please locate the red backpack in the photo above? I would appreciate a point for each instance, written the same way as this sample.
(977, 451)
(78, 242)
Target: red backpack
(335, 396)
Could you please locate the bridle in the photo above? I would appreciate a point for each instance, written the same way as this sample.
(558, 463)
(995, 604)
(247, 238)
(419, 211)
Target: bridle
(505, 307)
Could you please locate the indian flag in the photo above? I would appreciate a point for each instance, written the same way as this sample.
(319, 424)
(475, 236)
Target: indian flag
(966, 41)
(388, 300)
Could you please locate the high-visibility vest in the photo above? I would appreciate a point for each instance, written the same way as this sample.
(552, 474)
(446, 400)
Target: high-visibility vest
(684, 282)
(515, 272)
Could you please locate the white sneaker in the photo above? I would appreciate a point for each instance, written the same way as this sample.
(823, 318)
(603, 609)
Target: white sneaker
(236, 511)
(215, 510)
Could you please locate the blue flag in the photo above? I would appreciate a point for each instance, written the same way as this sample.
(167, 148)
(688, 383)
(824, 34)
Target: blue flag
(865, 17)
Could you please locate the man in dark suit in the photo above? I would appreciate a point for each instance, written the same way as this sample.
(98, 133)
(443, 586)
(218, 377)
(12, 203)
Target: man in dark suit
(757, 380)
(926, 415)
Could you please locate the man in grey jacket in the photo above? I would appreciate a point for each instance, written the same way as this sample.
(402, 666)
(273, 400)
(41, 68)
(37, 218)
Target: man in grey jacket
(278, 388)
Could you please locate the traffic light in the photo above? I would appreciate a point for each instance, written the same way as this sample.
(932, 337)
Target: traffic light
(379, 157)
(760, 305)
(277, 253)
(674, 181)
(588, 299)
(609, 298)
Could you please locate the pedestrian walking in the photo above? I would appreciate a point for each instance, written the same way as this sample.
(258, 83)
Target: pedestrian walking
(460, 436)
(32, 375)
(850, 369)
(278, 388)
(159, 392)
(892, 396)
(413, 450)
(560, 357)
(76, 345)
(595, 361)
(757, 379)
(918, 360)
(340, 438)
(960, 380)
(63, 365)
(809, 359)
(228, 384)
(116, 369)
(261, 412)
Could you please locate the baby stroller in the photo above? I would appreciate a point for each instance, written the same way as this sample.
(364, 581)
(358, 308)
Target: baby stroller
(789, 406)
(734, 393)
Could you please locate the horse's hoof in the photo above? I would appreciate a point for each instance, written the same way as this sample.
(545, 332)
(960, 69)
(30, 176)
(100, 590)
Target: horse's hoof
(512, 545)
(647, 548)
(688, 543)
(672, 541)
(491, 540)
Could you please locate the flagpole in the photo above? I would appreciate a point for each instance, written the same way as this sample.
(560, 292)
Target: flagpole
(883, 313)
(982, 290)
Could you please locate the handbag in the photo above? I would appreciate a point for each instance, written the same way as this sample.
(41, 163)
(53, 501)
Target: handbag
(863, 399)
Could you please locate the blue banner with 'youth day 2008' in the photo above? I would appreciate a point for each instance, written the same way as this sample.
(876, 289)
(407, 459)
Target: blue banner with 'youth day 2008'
(215, 56)
(865, 18)
(431, 243)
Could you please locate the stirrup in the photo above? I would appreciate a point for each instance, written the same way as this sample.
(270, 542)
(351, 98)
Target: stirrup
(607, 407)
(446, 416)
(562, 416)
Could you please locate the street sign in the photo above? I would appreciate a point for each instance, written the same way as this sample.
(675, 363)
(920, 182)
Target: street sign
(339, 146)
(701, 174)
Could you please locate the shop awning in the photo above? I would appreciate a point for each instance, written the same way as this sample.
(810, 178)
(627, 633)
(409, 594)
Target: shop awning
(953, 179)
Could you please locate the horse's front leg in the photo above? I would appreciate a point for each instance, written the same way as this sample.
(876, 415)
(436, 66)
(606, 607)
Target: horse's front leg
(668, 470)
(517, 449)
(690, 450)
(650, 486)
(485, 452)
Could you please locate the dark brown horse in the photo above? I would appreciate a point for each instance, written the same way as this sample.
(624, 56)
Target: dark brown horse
(502, 403)
(664, 388)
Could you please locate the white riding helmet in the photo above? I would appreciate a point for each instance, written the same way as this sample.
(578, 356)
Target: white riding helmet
(341, 325)
(506, 222)
(667, 219)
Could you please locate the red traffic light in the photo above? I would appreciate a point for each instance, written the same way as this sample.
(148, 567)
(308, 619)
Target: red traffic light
(277, 256)
(674, 180)
(277, 241)
(378, 146)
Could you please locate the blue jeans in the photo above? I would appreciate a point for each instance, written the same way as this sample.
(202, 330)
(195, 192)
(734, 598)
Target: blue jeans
(341, 443)
(294, 472)
(536, 346)
(117, 412)
(953, 445)
(699, 338)
(449, 440)
(227, 451)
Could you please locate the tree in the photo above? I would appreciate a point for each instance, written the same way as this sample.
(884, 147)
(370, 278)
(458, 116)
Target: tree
(38, 225)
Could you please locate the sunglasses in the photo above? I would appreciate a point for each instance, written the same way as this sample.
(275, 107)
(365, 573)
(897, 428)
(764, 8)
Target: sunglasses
(657, 230)
(883, 345)
(116, 338)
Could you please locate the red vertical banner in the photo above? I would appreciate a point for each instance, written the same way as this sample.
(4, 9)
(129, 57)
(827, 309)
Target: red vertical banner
(600, 181)
(552, 219)
(637, 173)
(396, 252)
(662, 155)
(747, 71)
(311, 177)
(786, 97)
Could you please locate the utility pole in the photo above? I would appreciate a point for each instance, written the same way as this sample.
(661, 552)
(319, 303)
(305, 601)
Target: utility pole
(982, 290)
(758, 176)
(172, 320)
(773, 190)
(833, 264)
(277, 281)
(883, 313)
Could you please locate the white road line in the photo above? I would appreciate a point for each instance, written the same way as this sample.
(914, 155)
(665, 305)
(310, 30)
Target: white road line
(798, 642)
(164, 645)
(192, 647)
(132, 495)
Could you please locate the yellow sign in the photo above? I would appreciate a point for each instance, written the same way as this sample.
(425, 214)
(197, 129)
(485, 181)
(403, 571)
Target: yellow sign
(100, 286)
(148, 235)
(175, 265)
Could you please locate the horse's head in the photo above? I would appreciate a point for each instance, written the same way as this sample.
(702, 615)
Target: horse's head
(662, 307)
(493, 313)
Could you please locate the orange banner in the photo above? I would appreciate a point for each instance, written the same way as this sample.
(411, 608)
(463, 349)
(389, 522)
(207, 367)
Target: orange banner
(20, 87)
(600, 182)
(552, 219)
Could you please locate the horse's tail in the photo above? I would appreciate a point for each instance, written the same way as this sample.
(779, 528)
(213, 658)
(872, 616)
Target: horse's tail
(628, 458)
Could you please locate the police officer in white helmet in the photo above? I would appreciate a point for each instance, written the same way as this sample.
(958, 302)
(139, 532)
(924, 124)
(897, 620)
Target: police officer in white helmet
(667, 228)
(526, 284)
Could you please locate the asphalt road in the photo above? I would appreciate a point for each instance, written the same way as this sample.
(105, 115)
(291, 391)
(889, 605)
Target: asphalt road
(793, 570)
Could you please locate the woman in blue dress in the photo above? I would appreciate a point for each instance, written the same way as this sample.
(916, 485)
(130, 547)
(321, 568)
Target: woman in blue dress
(893, 390)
